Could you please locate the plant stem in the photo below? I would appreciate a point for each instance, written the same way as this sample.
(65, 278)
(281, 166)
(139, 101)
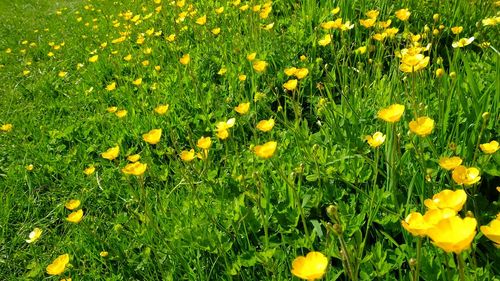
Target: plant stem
(419, 258)
(461, 267)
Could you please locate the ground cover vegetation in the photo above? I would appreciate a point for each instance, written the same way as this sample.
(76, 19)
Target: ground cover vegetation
(249, 140)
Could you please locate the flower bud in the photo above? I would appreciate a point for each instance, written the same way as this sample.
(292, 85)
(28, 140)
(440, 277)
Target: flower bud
(435, 17)
(453, 75)
(486, 116)
(439, 72)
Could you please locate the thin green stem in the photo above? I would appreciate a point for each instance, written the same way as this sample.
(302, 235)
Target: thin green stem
(461, 267)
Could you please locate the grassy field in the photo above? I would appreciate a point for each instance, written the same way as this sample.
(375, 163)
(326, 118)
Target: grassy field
(252, 140)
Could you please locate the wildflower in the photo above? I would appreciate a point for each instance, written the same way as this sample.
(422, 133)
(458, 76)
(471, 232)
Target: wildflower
(26, 72)
(453, 234)
(423, 126)
(418, 225)
(379, 36)
(489, 147)
(72, 204)
(251, 56)
(376, 140)
(219, 10)
(58, 265)
(242, 108)
(185, 59)
(111, 86)
(291, 84)
(290, 71)
(215, 31)
(268, 26)
(490, 21)
(301, 73)
(266, 150)
(187, 155)
(62, 74)
(204, 143)
(201, 20)
(447, 199)
(259, 65)
(327, 39)
(111, 153)
(34, 235)
(136, 168)
(373, 14)
(368, 22)
(439, 72)
(93, 58)
(112, 109)
(465, 176)
(258, 96)
(127, 57)
(121, 113)
(170, 38)
(332, 24)
(392, 113)
(450, 163)
(153, 136)
(29, 168)
(75, 217)
(457, 29)
(403, 14)
(385, 24)
(242, 77)
(492, 231)
(311, 267)
(413, 62)
(89, 170)
(137, 81)
(222, 134)
(161, 109)
(134, 158)
(361, 50)
(462, 42)
(335, 11)
(103, 254)
(265, 125)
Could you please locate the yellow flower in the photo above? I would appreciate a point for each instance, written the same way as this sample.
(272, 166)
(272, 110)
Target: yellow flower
(467, 176)
(94, 58)
(170, 38)
(222, 134)
(26, 72)
(376, 140)
(453, 234)
(418, 225)
(72, 204)
(290, 84)
(135, 169)
(327, 39)
(219, 10)
(311, 267)
(457, 29)
(450, 163)
(492, 231)
(111, 153)
(134, 158)
(34, 235)
(332, 24)
(392, 113)
(447, 199)
(204, 143)
(265, 125)
(162, 109)
(368, 22)
(423, 126)
(127, 57)
(361, 50)
(413, 62)
(62, 74)
(185, 59)
(111, 86)
(153, 136)
(58, 265)
(112, 109)
(6, 127)
(489, 147)
(403, 14)
(137, 81)
(29, 167)
(121, 113)
(75, 217)
(221, 126)
(242, 77)
(462, 42)
(242, 108)
(266, 150)
(187, 155)
(201, 20)
(335, 11)
(301, 73)
(103, 254)
(290, 71)
(259, 65)
(251, 56)
(379, 36)
(89, 170)
(439, 72)
(215, 31)
(372, 14)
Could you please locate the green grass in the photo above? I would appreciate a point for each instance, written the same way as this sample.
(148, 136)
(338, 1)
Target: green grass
(234, 216)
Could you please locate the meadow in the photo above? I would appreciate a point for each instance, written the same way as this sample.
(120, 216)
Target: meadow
(249, 140)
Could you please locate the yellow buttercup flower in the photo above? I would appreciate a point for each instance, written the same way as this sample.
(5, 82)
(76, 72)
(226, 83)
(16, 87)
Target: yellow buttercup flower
(75, 217)
(251, 56)
(62, 74)
(327, 39)
(111, 153)
(447, 199)
(311, 267)
(187, 155)
(103, 254)
(418, 225)
(29, 167)
(376, 140)
(423, 126)
(137, 81)
(136, 168)
(265, 125)
(222, 134)
(134, 158)
(465, 176)
(161, 109)
(215, 31)
(368, 22)
(290, 71)
(457, 29)
(453, 234)
(121, 113)
(34, 235)
(72, 204)
(489, 147)
(201, 20)
(127, 57)
(462, 42)
(185, 59)
(413, 62)
(242, 77)
(6, 127)
(392, 113)
(291, 84)
(259, 65)
(204, 143)
(242, 108)
(492, 231)
(372, 14)
(450, 163)
(266, 150)
(153, 136)
(89, 170)
(403, 14)
(111, 86)
(58, 265)
(301, 73)
(94, 58)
